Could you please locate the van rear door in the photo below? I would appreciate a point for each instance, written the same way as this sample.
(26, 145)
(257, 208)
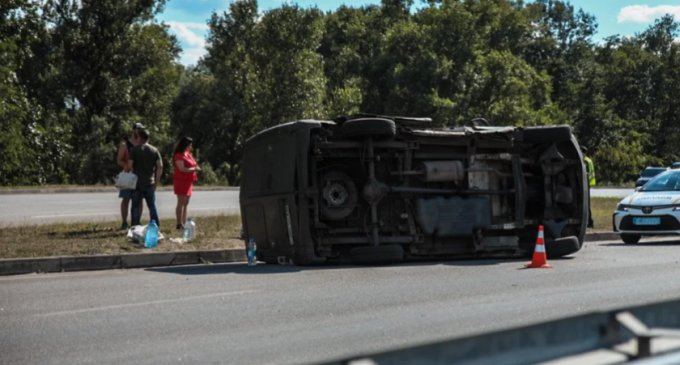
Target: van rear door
(268, 192)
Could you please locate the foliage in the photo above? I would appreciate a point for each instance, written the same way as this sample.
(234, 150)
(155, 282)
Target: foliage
(207, 175)
(75, 74)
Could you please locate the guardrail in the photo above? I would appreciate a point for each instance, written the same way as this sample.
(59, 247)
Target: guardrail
(546, 341)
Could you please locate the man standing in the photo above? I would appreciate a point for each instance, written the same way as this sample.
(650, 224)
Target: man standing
(122, 159)
(145, 161)
(590, 170)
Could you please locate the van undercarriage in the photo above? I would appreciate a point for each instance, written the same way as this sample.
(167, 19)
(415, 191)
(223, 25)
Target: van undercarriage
(370, 189)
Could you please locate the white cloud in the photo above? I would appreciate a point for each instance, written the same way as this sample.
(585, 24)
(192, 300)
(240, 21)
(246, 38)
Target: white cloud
(184, 32)
(646, 13)
(190, 56)
(192, 38)
(192, 25)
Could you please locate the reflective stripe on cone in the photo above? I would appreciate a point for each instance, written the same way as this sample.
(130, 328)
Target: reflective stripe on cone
(540, 259)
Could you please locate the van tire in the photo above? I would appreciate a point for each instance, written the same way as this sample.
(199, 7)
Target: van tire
(561, 247)
(547, 134)
(369, 127)
(372, 255)
(338, 213)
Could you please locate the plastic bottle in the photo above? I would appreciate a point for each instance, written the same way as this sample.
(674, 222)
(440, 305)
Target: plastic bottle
(252, 252)
(151, 238)
(190, 230)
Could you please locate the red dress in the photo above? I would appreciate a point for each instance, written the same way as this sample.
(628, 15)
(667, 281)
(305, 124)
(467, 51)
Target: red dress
(183, 182)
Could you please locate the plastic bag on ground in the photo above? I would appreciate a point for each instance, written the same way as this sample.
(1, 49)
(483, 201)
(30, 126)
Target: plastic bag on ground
(137, 233)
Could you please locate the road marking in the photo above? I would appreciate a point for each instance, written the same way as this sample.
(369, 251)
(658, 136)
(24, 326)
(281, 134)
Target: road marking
(85, 202)
(130, 305)
(210, 208)
(114, 213)
(71, 215)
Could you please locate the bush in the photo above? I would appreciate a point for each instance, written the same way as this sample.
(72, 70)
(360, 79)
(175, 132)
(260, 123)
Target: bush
(207, 175)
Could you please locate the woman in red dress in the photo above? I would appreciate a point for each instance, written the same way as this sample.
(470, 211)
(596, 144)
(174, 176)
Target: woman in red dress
(184, 177)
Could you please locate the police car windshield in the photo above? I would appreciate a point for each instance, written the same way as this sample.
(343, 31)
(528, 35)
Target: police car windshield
(652, 172)
(669, 181)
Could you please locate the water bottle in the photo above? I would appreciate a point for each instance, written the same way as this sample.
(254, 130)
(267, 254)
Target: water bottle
(151, 238)
(190, 230)
(252, 251)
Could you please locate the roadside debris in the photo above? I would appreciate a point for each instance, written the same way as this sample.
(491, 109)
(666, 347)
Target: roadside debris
(138, 233)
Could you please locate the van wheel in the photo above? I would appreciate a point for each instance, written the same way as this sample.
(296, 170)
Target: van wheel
(368, 255)
(562, 247)
(339, 196)
(369, 127)
(630, 239)
(547, 134)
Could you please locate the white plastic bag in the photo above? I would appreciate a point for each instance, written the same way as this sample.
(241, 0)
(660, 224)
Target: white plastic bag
(126, 181)
(137, 234)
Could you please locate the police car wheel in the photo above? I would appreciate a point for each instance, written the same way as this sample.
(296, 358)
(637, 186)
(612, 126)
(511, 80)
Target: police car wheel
(630, 239)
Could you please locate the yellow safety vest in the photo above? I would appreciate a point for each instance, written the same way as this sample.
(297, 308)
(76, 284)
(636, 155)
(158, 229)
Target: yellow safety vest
(591, 171)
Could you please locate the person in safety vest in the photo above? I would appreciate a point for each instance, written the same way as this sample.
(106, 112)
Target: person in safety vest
(590, 170)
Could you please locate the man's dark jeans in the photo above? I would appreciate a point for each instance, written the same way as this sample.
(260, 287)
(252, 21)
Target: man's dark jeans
(148, 194)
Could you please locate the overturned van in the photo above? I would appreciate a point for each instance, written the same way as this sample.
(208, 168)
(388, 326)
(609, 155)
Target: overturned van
(378, 189)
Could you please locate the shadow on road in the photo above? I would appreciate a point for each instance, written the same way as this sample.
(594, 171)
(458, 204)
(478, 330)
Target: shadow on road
(489, 262)
(262, 268)
(647, 243)
(241, 269)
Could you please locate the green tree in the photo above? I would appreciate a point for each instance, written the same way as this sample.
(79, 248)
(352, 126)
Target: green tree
(117, 67)
(291, 81)
(18, 113)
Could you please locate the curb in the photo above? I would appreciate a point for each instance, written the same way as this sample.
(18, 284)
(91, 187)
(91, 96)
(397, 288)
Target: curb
(124, 261)
(601, 236)
(155, 259)
(25, 266)
(103, 190)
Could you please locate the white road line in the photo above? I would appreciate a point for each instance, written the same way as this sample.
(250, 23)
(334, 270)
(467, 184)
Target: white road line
(209, 208)
(86, 202)
(72, 215)
(121, 306)
(114, 213)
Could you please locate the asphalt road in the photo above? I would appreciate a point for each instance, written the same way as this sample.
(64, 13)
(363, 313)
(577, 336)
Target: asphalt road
(235, 314)
(93, 207)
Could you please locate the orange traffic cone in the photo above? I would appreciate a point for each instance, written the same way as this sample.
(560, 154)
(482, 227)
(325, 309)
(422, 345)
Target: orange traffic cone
(540, 260)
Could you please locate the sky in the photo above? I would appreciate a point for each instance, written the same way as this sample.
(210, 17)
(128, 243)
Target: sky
(187, 18)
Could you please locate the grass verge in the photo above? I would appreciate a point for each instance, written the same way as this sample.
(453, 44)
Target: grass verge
(602, 209)
(85, 239)
(214, 232)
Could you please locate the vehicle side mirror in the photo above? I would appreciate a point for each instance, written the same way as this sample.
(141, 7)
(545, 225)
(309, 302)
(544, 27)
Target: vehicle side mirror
(638, 188)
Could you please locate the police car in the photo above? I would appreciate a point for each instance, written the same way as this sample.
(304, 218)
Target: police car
(653, 209)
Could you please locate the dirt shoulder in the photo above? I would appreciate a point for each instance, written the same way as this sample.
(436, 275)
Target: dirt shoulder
(86, 239)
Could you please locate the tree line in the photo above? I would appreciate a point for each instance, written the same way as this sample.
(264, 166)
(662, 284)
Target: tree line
(75, 75)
